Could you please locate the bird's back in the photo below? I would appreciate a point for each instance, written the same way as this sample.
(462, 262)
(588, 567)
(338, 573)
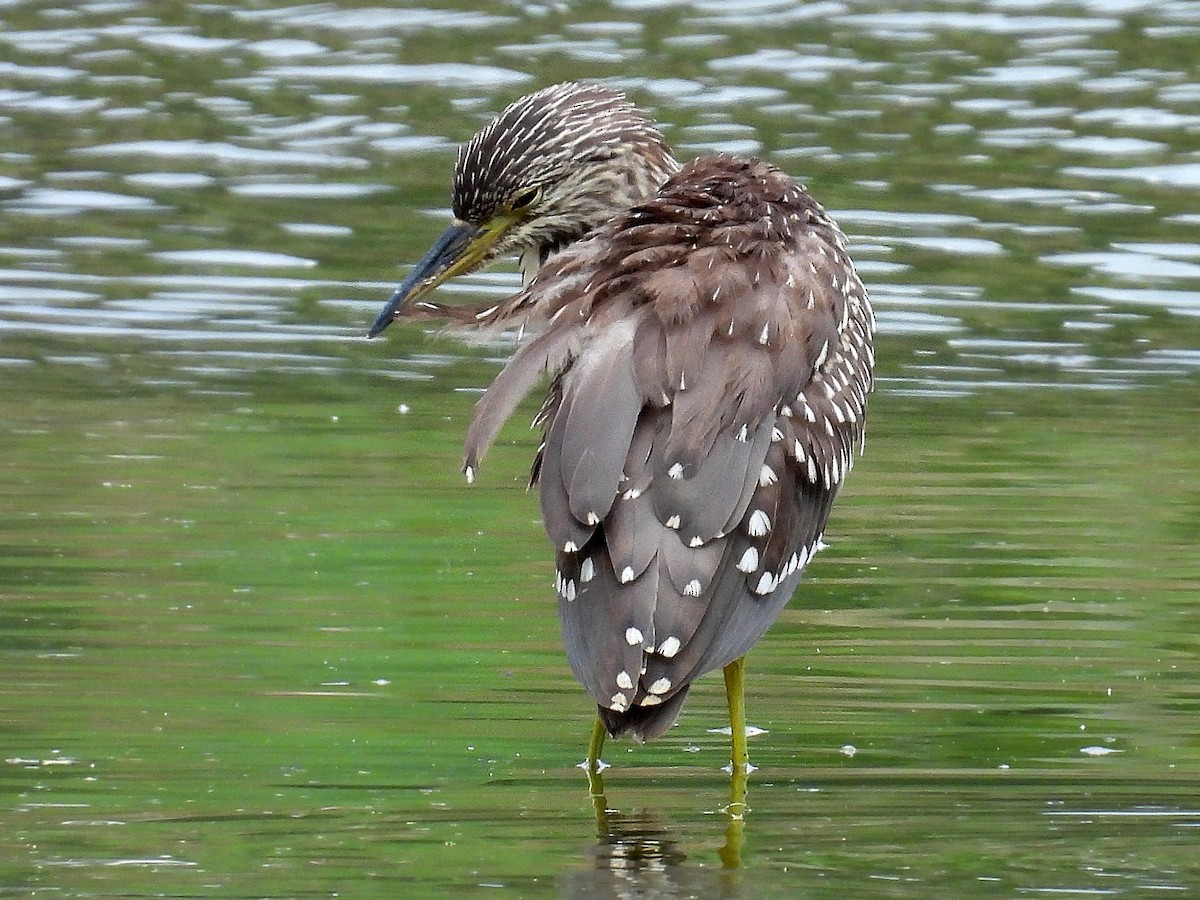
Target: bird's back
(712, 353)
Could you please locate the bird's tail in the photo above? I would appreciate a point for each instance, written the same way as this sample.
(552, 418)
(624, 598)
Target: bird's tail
(644, 723)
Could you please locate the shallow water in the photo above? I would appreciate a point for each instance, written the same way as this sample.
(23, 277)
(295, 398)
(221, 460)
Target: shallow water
(258, 637)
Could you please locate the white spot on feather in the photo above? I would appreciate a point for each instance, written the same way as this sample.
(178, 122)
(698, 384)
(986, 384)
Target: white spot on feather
(587, 571)
(672, 522)
(624, 682)
(669, 647)
(650, 700)
(661, 686)
(633, 636)
(760, 523)
(821, 356)
(692, 588)
(767, 476)
(627, 575)
(618, 703)
(676, 471)
(749, 561)
(766, 584)
(570, 547)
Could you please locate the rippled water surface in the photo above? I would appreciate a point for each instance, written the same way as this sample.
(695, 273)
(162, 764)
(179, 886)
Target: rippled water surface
(257, 637)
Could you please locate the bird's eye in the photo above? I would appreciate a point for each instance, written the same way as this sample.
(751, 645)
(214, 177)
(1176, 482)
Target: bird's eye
(525, 199)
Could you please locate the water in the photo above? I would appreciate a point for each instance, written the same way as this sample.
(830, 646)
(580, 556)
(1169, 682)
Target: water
(258, 637)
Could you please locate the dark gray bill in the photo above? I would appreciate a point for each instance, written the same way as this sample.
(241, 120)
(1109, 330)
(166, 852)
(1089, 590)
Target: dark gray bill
(460, 248)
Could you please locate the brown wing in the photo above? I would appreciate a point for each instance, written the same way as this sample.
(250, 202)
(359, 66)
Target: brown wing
(716, 349)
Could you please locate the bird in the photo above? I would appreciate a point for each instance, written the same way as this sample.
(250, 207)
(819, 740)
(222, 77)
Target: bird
(708, 350)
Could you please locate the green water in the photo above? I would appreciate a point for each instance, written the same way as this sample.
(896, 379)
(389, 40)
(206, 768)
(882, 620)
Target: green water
(258, 638)
(265, 642)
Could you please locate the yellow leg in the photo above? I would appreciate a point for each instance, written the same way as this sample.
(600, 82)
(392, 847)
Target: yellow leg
(595, 745)
(736, 697)
(739, 765)
(593, 766)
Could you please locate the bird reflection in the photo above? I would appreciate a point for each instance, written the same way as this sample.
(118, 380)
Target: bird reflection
(637, 854)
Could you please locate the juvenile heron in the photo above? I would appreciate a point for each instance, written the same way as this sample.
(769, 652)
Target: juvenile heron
(710, 349)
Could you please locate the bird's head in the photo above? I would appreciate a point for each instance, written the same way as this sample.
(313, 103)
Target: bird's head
(550, 168)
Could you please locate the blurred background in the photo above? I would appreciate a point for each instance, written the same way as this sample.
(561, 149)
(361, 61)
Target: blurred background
(257, 636)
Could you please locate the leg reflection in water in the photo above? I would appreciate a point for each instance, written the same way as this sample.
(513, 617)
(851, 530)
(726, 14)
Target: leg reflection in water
(637, 843)
(639, 854)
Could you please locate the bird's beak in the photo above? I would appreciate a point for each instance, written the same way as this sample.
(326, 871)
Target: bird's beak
(461, 248)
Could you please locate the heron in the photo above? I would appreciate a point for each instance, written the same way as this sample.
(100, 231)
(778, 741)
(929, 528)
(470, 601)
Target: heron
(708, 350)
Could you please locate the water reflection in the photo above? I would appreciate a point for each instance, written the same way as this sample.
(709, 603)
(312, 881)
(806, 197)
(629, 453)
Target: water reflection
(216, 491)
(93, 78)
(638, 853)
